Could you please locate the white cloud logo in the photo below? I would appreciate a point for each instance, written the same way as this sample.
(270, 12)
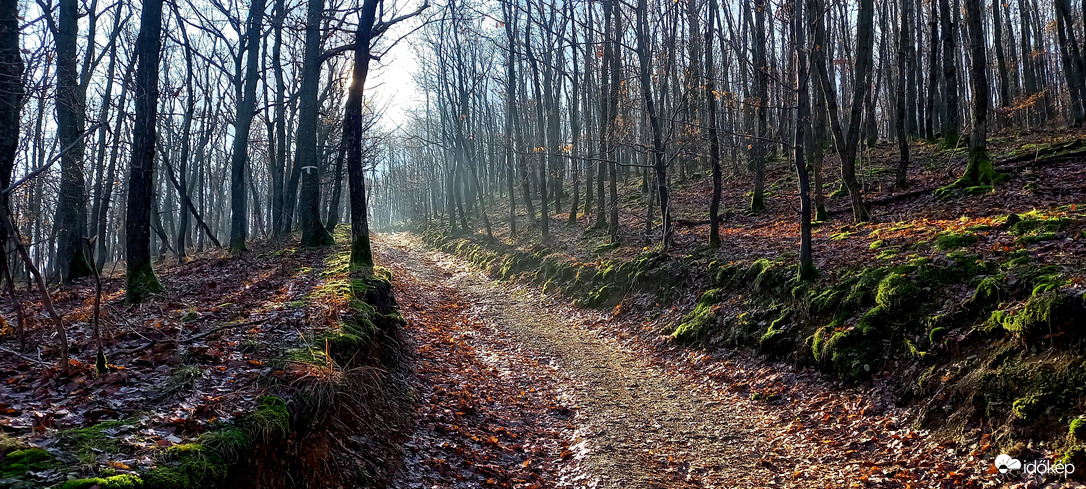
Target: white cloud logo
(1004, 463)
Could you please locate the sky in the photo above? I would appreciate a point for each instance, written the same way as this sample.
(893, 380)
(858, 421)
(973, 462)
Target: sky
(393, 85)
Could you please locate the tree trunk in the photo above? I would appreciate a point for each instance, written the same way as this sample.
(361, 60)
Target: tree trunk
(658, 148)
(758, 145)
(714, 140)
(806, 261)
(902, 105)
(11, 102)
(72, 258)
(950, 75)
(142, 282)
(979, 171)
(306, 158)
(847, 144)
(361, 254)
(933, 73)
(246, 108)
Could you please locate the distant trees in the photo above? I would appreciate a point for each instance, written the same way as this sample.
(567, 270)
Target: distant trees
(547, 113)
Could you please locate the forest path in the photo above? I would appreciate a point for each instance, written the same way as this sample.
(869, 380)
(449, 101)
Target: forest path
(514, 391)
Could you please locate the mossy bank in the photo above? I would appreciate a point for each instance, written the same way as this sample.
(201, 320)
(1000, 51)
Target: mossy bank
(977, 327)
(332, 407)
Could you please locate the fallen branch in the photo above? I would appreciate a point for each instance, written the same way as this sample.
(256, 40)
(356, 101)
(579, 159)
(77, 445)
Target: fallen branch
(1015, 163)
(191, 338)
(24, 357)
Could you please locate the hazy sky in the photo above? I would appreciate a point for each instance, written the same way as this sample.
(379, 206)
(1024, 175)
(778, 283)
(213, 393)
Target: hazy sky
(393, 84)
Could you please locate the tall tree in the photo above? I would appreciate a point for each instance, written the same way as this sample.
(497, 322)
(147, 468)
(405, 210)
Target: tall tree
(658, 162)
(239, 216)
(901, 105)
(949, 26)
(979, 169)
(73, 257)
(758, 144)
(361, 255)
(142, 282)
(307, 160)
(11, 102)
(714, 139)
(847, 143)
(806, 267)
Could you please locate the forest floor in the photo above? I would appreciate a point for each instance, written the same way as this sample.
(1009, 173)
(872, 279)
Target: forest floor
(517, 388)
(230, 345)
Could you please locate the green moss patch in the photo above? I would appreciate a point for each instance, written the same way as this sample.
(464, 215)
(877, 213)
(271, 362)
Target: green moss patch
(697, 324)
(1077, 429)
(950, 240)
(18, 463)
(124, 481)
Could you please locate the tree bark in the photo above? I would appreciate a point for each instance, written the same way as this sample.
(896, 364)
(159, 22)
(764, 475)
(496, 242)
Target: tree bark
(239, 217)
(306, 159)
(142, 282)
(72, 257)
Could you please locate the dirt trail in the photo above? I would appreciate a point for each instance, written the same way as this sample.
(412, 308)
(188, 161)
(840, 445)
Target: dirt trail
(635, 425)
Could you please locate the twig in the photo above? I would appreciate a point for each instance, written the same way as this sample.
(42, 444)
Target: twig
(191, 338)
(24, 357)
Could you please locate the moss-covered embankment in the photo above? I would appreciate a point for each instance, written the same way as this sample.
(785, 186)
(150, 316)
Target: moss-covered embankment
(984, 336)
(332, 409)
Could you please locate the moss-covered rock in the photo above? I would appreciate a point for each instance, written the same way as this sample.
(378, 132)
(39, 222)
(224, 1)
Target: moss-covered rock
(897, 292)
(1077, 429)
(1028, 408)
(1049, 312)
(936, 335)
(696, 325)
(851, 352)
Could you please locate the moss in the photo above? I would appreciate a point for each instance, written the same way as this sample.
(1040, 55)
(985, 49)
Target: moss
(361, 253)
(1076, 455)
(849, 352)
(1077, 429)
(775, 341)
(1038, 223)
(90, 441)
(896, 292)
(271, 418)
(142, 285)
(17, 463)
(863, 290)
(936, 335)
(124, 481)
(1046, 312)
(950, 240)
(979, 173)
(876, 244)
(1028, 408)
(887, 253)
(186, 466)
(989, 291)
(229, 441)
(695, 326)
